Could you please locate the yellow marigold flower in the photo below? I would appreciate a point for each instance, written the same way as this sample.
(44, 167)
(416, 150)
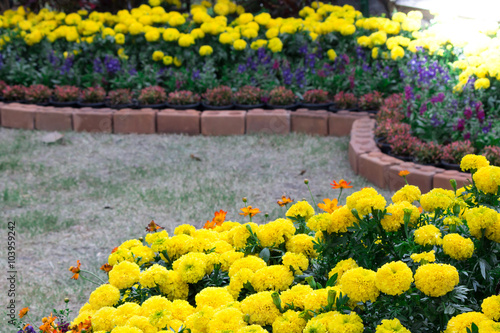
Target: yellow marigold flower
(491, 307)
(238, 236)
(461, 322)
(160, 318)
(365, 201)
(104, 295)
(394, 278)
(275, 233)
(489, 326)
(124, 275)
(302, 243)
(126, 329)
(320, 222)
(487, 179)
(297, 261)
(182, 309)
(482, 83)
(393, 222)
(152, 35)
(119, 256)
(141, 323)
(186, 40)
(437, 198)
(221, 9)
(275, 278)
(192, 266)
(365, 41)
(341, 267)
(142, 254)
(250, 33)
(185, 229)
(397, 53)
(480, 218)
(154, 304)
(260, 308)
(375, 53)
(300, 210)
(82, 317)
(452, 220)
(315, 326)
(290, 322)
(262, 18)
(197, 33)
(174, 287)
(296, 295)
(359, 285)
(275, 45)
(348, 29)
(167, 60)
(258, 44)
(458, 247)
(214, 297)
(229, 319)
(378, 38)
(239, 44)
(332, 55)
(272, 33)
(158, 55)
(436, 279)
(228, 258)
(473, 162)
(153, 276)
(428, 235)
(73, 19)
(120, 38)
(199, 320)
(251, 262)
(102, 319)
(316, 299)
(391, 326)
(493, 231)
(125, 312)
(206, 50)
(238, 281)
(171, 34)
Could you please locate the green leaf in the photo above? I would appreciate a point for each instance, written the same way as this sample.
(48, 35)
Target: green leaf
(265, 254)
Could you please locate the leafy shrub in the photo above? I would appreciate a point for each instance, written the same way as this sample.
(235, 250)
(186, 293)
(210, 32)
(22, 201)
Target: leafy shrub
(316, 96)
(345, 100)
(428, 152)
(492, 153)
(152, 95)
(93, 95)
(388, 128)
(455, 151)
(249, 95)
(371, 101)
(281, 96)
(38, 93)
(219, 96)
(66, 93)
(14, 93)
(3, 85)
(120, 97)
(403, 144)
(183, 97)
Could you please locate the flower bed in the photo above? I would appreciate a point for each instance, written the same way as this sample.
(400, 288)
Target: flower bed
(425, 263)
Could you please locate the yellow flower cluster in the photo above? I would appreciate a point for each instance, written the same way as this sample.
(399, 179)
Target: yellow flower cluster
(390, 326)
(426, 257)
(300, 210)
(428, 235)
(436, 279)
(365, 201)
(394, 221)
(359, 285)
(458, 247)
(479, 219)
(437, 198)
(394, 278)
(473, 162)
(408, 193)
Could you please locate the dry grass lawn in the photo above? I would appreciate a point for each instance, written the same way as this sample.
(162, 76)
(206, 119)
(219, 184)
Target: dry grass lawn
(80, 198)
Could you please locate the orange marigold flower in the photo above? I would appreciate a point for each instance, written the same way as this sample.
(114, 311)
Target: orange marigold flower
(47, 324)
(153, 227)
(284, 201)
(106, 267)
(75, 270)
(23, 312)
(329, 206)
(250, 211)
(341, 184)
(404, 173)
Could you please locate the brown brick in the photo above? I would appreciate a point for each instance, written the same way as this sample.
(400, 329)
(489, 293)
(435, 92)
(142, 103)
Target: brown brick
(358, 146)
(442, 180)
(374, 166)
(15, 115)
(178, 122)
(216, 123)
(54, 119)
(340, 123)
(127, 121)
(93, 120)
(420, 175)
(268, 121)
(310, 122)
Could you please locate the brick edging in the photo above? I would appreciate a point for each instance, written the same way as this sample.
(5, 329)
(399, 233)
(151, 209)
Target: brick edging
(367, 160)
(170, 121)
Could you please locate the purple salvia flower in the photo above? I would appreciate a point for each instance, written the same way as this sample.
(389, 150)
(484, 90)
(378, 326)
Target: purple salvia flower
(467, 113)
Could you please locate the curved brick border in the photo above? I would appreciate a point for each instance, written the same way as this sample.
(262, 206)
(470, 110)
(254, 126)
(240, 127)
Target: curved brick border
(382, 170)
(190, 122)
